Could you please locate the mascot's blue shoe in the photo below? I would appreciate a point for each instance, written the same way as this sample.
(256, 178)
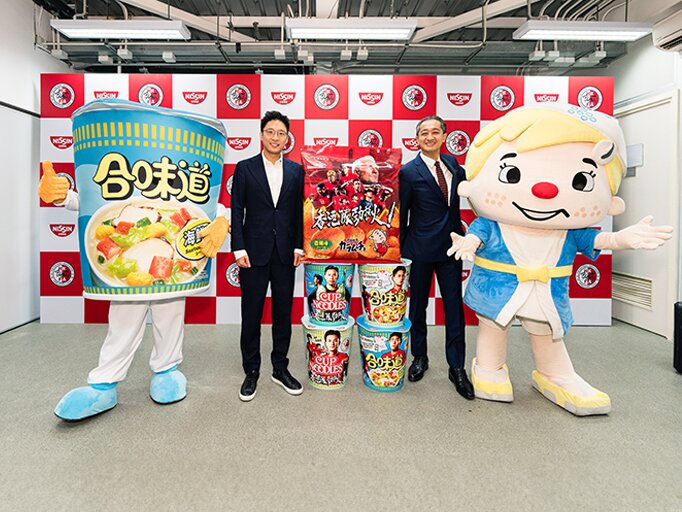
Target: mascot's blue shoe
(85, 402)
(168, 386)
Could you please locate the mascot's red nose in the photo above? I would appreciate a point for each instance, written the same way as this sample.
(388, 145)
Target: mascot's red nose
(545, 190)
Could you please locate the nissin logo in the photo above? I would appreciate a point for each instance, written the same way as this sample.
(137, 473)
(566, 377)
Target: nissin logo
(371, 98)
(61, 141)
(459, 99)
(283, 98)
(194, 97)
(103, 95)
(238, 143)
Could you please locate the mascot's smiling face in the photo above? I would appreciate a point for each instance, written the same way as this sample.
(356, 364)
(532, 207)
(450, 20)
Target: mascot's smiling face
(556, 187)
(545, 168)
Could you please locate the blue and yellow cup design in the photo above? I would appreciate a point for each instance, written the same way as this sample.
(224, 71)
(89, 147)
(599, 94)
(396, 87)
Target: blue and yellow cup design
(383, 354)
(148, 180)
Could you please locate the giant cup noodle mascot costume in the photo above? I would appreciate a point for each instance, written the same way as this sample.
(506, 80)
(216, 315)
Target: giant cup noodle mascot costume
(126, 328)
(538, 178)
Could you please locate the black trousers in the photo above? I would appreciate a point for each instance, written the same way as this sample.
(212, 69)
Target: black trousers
(254, 286)
(449, 275)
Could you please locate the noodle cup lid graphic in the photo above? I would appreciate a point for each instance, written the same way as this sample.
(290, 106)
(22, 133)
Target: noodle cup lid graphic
(110, 104)
(308, 324)
(146, 249)
(366, 328)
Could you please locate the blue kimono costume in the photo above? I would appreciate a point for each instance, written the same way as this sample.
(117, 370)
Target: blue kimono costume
(496, 276)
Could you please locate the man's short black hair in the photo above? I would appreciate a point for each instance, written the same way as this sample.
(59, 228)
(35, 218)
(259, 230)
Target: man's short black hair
(398, 334)
(398, 269)
(331, 331)
(432, 118)
(331, 267)
(274, 115)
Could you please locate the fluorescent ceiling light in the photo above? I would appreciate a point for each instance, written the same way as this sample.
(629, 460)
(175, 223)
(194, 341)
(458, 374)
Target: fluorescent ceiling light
(168, 57)
(124, 53)
(280, 54)
(346, 54)
(105, 58)
(121, 29)
(349, 28)
(363, 53)
(551, 30)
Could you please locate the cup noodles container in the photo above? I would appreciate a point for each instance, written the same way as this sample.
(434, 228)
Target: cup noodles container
(327, 352)
(148, 180)
(383, 287)
(383, 354)
(328, 288)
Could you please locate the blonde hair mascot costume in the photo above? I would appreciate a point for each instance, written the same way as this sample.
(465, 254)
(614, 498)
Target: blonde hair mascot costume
(538, 178)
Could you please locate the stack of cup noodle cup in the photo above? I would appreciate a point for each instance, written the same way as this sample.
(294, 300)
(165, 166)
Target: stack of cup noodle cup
(328, 326)
(383, 330)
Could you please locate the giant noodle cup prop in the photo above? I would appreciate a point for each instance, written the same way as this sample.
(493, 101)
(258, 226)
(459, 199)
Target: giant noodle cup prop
(384, 292)
(383, 352)
(328, 288)
(148, 181)
(327, 350)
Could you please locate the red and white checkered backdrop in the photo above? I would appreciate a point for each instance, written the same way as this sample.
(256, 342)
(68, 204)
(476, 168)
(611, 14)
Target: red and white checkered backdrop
(340, 108)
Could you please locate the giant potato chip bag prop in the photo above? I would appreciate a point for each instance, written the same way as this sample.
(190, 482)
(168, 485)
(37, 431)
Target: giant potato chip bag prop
(351, 206)
(148, 180)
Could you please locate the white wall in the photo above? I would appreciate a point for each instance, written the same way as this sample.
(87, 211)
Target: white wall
(21, 66)
(644, 78)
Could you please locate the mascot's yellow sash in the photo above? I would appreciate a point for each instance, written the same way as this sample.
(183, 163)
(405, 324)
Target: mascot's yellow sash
(542, 273)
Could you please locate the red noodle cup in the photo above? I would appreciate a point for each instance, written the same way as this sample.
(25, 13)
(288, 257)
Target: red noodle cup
(328, 288)
(327, 352)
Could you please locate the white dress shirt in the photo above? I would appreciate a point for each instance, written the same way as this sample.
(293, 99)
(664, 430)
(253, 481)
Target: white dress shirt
(431, 164)
(274, 172)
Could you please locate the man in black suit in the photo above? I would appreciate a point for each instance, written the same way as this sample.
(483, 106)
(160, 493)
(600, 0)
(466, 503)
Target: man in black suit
(267, 237)
(428, 198)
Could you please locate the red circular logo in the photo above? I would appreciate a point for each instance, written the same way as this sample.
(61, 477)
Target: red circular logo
(590, 97)
(238, 96)
(414, 97)
(62, 95)
(502, 98)
(62, 274)
(150, 94)
(370, 138)
(458, 142)
(587, 276)
(291, 143)
(326, 96)
(232, 275)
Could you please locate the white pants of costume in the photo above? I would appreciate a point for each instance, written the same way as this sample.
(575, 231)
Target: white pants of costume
(126, 329)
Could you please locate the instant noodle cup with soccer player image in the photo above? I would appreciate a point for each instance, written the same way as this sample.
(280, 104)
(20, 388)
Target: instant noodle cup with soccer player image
(383, 354)
(383, 288)
(148, 181)
(327, 353)
(328, 288)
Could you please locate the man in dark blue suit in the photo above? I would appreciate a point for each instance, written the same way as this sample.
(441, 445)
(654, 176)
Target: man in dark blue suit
(429, 212)
(267, 237)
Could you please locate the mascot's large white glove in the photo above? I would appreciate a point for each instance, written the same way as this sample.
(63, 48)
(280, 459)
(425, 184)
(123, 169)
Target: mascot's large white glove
(464, 247)
(638, 236)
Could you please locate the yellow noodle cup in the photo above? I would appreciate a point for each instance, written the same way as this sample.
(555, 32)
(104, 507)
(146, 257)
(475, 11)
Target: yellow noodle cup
(383, 287)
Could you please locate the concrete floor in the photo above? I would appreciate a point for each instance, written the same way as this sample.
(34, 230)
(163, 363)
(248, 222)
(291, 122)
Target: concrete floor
(422, 448)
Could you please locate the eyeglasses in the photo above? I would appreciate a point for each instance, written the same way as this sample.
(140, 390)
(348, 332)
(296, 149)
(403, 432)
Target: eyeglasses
(271, 133)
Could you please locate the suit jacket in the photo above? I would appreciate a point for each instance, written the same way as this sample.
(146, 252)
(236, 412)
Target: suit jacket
(426, 236)
(258, 224)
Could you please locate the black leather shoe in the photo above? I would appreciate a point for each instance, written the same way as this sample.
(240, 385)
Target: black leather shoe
(417, 369)
(459, 378)
(248, 389)
(287, 381)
